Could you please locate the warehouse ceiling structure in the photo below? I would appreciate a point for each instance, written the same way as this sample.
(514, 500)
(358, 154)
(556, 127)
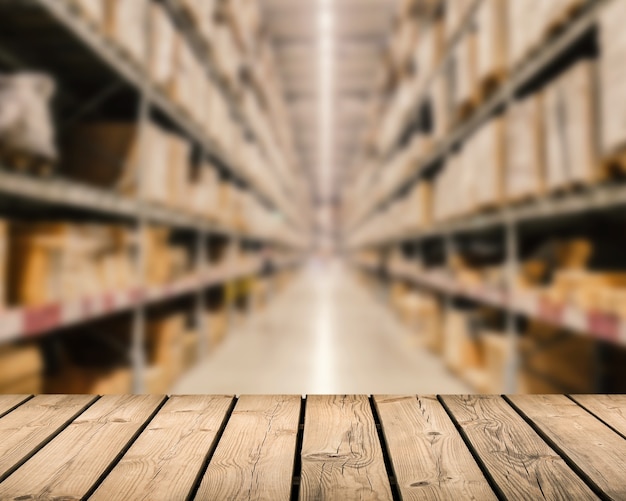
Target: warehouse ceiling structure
(328, 53)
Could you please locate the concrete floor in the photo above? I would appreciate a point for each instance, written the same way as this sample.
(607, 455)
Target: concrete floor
(325, 333)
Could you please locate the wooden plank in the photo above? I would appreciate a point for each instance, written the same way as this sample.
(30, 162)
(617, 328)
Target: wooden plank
(71, 464)
(8, 402)
(429, 458)
(254, 458)
(341, 454)
(165, 460)
(596, 450)
(31, 425)
(518, 461)
(609, 408)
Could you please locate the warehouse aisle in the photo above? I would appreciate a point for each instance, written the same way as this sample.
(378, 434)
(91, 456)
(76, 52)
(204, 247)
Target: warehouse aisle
(324, 334)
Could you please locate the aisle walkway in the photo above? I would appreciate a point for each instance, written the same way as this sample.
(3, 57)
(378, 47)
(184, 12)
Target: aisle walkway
(325, 333)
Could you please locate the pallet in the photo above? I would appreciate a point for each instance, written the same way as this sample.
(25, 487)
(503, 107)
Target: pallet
(27, 163)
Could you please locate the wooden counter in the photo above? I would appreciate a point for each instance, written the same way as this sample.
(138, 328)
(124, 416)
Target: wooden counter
(340, 447)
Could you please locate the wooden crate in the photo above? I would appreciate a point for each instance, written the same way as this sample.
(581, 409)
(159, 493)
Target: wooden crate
(525, 150)
(569, 117)
(491, 49)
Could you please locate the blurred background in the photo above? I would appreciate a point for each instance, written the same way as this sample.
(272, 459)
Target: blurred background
(312, 196)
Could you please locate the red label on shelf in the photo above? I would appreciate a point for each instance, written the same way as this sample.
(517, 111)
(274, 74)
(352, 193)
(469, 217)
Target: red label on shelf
(604, 326)
(42, 318)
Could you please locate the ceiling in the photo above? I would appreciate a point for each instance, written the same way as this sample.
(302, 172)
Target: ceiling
(359, 32)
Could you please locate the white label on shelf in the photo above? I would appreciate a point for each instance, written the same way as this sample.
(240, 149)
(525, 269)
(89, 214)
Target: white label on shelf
(11, 324)
(574, 319)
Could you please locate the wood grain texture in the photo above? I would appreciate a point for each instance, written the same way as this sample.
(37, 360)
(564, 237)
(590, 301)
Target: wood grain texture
(520, 463)
(341, 454)
(165, 460)
(25, 429)
(429, 458)
(70, 465)
(596, 450)
(254, 458)
(7, 402)
(609, 408)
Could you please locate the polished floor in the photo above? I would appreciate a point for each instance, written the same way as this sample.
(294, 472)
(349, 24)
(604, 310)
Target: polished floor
(325, 333)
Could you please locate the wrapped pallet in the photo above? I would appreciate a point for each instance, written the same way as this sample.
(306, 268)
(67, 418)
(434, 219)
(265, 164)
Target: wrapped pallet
(525, 160)
(21, 368)
(569, 128)
(491, 57)
(490, 163)
(126, 23)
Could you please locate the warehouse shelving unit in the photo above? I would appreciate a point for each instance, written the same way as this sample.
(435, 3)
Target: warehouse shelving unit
(505, 221)
(100, 55)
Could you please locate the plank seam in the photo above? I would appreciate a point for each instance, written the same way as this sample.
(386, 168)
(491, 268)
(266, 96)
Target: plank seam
(596, 416)
(2, 414)
(554, 446)
(211, 451)
(393, 484)
(483, 467)
(47, 440)
(124, 449)
(297, 463)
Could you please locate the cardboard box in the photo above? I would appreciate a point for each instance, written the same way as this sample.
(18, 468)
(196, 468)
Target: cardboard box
(491, 57)
(525, 149)
(126, 23)
(571, 151)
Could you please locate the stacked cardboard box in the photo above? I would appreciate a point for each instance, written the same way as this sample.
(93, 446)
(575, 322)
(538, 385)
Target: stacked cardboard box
(164, 345)
(569, 115)
(491, 55)
(21, 368)
(52, 262)
(126, 23)
(555, 361)
(525, 149)
(4, 262)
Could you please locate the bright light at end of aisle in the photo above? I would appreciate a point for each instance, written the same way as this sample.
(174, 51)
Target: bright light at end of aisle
(325, 93)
